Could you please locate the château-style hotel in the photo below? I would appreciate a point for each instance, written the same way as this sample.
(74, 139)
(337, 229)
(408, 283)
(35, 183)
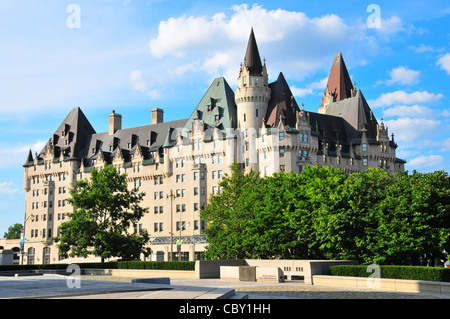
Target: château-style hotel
(179, 164)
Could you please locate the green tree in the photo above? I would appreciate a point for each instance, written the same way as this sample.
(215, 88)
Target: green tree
(227, 213)
(104, 211)
(14, 231)
(414, 224)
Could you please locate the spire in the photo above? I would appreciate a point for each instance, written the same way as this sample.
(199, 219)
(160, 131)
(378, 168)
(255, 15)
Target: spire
(339, 83)
(252, 59)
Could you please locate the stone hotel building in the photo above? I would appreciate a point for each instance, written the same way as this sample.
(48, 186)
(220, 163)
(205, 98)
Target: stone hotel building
(179, 164)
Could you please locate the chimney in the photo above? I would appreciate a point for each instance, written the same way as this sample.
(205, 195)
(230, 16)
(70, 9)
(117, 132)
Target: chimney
(115, 122)
(157, 116)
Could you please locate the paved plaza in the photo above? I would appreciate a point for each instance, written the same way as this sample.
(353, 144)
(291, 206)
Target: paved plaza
(93, 287)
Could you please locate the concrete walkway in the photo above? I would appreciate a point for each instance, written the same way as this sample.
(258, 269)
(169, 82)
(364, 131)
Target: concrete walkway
(66, 287)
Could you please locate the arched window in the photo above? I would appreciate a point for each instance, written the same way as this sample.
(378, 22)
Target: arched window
(30, 254)
(46, 255)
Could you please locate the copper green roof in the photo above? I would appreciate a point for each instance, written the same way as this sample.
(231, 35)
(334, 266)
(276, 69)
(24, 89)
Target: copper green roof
(217, 107)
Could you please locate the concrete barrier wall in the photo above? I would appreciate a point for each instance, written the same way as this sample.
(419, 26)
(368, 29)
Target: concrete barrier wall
(288, 267)
(140, 273)
(132, 273)
(211, 268)
(382, 284)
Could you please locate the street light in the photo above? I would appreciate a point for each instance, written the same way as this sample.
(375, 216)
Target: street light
(182, 224)
(23, 237)
(171, 225)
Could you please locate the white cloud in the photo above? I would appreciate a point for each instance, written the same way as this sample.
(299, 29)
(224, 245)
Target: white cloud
(403, 75)
(16, 156)
(292, 42)
(446, 145)
(414, 111)
(402, 97)
(390, 26)
(6, 188)
(425, 161)
(412, 130)
(139, 84)
(421, 48)
(309, 89)
(444, 62)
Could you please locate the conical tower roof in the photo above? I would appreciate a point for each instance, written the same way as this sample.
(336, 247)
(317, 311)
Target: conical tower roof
(339, 82)
(252, 59)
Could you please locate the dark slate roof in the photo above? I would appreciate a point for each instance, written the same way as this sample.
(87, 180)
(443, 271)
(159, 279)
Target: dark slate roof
(69, 138)
(339, 82)
(282, 104)
(357, 113)
(252, 59)
(148, 138)
(218, 100)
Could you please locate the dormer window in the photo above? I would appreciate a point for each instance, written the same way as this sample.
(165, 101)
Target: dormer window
(209, 107)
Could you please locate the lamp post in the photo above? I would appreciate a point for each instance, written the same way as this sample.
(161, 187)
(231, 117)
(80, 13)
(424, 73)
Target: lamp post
(23, 237)
(182, 224)
(171, 225)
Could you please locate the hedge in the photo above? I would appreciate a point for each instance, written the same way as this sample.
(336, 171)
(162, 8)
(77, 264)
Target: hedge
(395, 272)
(163, 265)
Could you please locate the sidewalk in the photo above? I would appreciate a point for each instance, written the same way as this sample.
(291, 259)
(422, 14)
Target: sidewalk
(58, 287)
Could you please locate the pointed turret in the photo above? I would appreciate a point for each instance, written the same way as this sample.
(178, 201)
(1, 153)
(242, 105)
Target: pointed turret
(29, 160)
(252, 59)
(339, 86)
(339, 83)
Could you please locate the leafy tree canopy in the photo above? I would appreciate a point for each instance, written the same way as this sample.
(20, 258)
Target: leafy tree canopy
(371, 216)
(104, 211)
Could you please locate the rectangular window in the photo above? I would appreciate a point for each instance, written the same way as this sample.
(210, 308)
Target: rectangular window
(364, 147)
(282, 151)
(281, 136)
(364, 161)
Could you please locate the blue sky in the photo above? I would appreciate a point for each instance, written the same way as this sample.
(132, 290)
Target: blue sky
(132, 56)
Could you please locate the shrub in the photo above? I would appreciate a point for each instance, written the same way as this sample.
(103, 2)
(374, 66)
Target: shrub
(162, 265)
(395, 272)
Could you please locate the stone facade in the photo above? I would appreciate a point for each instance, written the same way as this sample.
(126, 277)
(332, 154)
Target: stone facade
(179, 164)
